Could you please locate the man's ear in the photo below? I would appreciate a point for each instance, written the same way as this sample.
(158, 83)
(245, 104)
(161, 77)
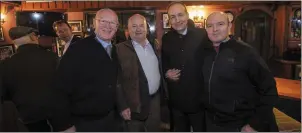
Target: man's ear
(230, 25)
(33, 36)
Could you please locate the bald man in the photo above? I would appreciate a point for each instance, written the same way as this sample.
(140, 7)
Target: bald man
(140, 79)
(240, 91)
(86, 81)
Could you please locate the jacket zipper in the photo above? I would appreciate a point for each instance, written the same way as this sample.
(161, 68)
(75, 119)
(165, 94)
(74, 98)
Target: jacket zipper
(211, 77)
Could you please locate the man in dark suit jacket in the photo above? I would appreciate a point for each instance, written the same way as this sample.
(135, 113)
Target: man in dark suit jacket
(64, 32)
(178, 51)
(86, 81)
(139, 79)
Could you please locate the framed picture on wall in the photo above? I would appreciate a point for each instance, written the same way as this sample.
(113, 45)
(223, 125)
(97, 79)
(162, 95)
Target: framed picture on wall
(1, 34)
(166, 24)
(6, 51)
(76, 26)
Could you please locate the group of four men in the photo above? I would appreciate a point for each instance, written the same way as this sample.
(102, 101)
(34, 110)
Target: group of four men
(214, 82)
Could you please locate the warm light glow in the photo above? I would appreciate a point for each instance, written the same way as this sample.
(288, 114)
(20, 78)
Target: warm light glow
(196, 13)
(3, 16)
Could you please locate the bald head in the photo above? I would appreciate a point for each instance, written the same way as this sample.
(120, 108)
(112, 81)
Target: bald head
(136, 16)
(221, 15)
(105, 11)
(218, 27)
(106, 23)
(137, 27)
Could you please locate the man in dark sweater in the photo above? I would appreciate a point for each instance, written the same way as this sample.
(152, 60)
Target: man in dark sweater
(27, 78)
(178, 49)
(240, 91)
(86, 81)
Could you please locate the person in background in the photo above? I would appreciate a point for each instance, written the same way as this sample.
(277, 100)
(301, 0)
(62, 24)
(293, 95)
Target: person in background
(27, 78)
(140, 79)
(64, 32)
(86, 79)
(178, 51)
(240, 91)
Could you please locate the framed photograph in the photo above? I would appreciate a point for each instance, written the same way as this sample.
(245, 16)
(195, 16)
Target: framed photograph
(76, 26)
(6, 51)
(199, 25)
(166, 24)
(1, 34)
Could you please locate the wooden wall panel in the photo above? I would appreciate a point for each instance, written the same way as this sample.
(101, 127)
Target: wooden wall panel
(102, 4)
(81, 4)
(45, 5)
(37, 5)
(29, 5)
(73, 4)
(66, 4)
(95, 4)
(280, 29)
(59, 4)
(52, 5)
(88, 4)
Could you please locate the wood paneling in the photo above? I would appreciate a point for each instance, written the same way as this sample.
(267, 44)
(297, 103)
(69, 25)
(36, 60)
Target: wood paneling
(45, 5)
(88, 4)
(59, 4)
(52, 5)
(95, 4)
(81, 4)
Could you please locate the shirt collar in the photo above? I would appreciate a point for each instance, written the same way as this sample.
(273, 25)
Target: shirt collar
(137, 44)
(70, 40)
(185, 31)
(104, 43)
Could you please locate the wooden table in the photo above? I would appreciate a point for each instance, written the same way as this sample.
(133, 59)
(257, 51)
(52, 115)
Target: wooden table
(289, 88)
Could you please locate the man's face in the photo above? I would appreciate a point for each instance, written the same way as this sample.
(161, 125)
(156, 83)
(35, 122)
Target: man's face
(137, 27)
(178, 17)
(63, 32)
(218, 27)
(106, 25)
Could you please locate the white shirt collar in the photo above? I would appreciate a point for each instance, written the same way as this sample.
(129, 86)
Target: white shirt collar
(136, 43)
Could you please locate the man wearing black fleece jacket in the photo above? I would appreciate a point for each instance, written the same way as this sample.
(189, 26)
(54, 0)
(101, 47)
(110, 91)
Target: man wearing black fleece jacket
(240, 91)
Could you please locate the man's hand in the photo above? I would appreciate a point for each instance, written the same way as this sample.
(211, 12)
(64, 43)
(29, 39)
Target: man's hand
(71, 129)
(126, 114)
(173, 74)
(247, 128)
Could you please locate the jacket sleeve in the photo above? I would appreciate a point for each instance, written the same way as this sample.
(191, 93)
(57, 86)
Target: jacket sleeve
(65, 81)
(265, 84)
(120, 95)
(164, 55)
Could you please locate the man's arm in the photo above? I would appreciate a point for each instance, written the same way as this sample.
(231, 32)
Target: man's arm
(265, 84)
(66, 78)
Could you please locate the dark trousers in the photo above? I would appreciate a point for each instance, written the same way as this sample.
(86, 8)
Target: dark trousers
(182, 122)
(104, 124)
(152, 123)
(212, 127)
(40, 126)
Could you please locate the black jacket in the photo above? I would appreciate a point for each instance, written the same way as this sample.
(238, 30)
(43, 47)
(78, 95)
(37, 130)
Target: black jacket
(27, 78)
(178, 52)
(239, 87)
(86, 84)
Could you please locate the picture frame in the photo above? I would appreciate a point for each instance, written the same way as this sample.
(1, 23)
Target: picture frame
(1, 34)
(6, 51)
(76, 26)
(166, 24)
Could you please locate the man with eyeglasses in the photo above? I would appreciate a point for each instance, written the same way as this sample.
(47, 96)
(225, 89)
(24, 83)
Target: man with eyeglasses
(63, 31)
(86, 81)
(178, 50)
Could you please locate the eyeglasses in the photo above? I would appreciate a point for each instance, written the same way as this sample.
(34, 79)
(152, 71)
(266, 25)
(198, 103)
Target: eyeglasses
(104, 22)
